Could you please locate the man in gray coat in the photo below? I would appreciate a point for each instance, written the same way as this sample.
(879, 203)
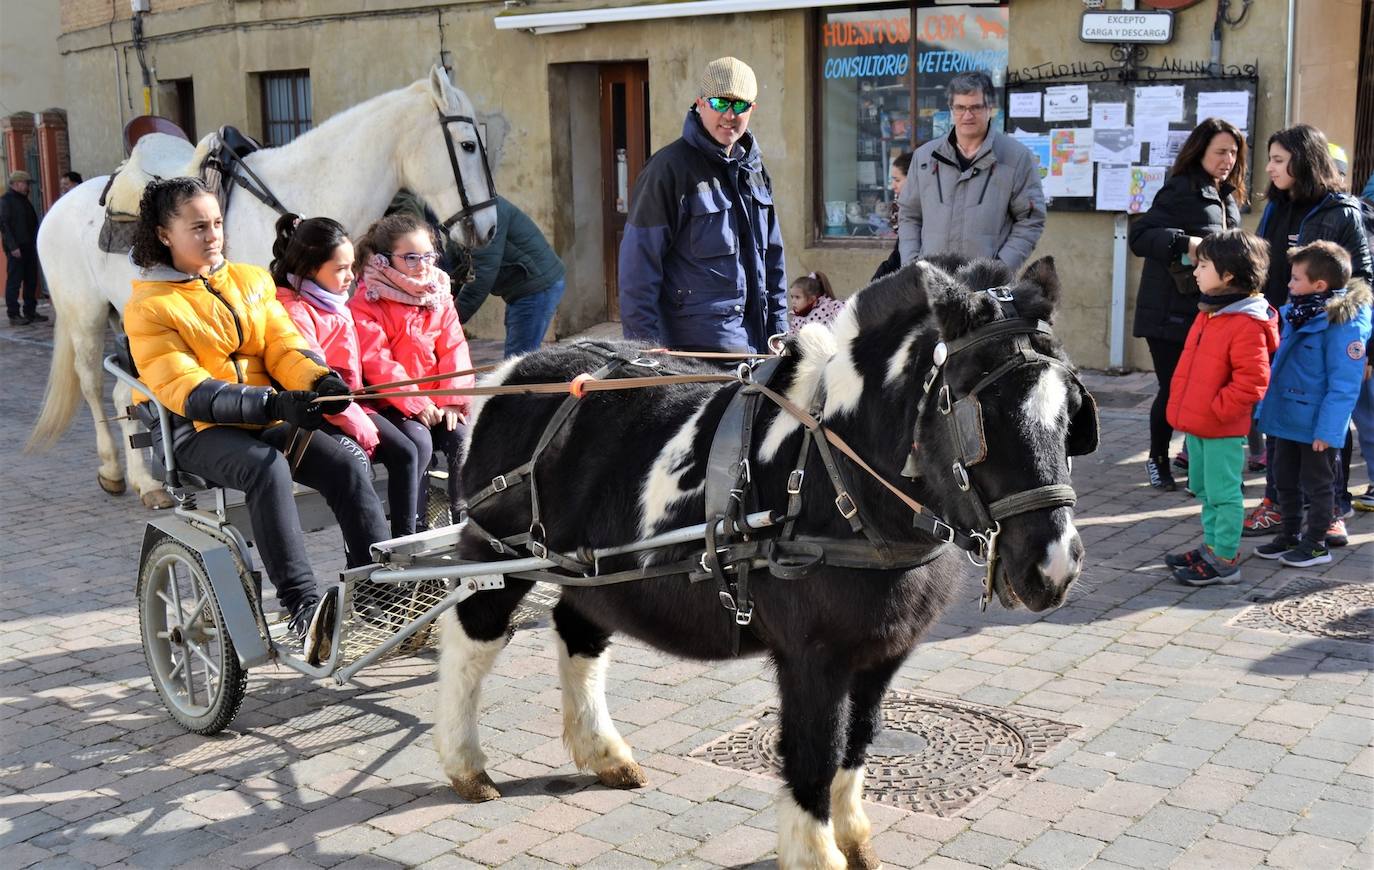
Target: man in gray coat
(977, 191)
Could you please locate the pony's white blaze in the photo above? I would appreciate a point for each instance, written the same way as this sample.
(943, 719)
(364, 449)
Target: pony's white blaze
(852, 828)
(588, 732)
(1048, 401)
(662, 488)
(900, 360)
(805, 842)
(463, 664)
(844, 383)
(815, 346)
(1059, 563)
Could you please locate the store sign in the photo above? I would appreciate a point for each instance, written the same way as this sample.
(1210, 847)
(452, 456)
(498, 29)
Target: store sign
(1155, 28)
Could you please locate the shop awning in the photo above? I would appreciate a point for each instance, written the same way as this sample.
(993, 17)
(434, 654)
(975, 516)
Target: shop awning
(542, 21)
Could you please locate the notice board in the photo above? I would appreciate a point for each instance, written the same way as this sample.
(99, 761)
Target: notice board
(1107, 145)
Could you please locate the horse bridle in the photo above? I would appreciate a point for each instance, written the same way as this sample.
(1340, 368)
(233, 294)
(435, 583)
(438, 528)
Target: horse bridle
(469, 208)
(963, 416)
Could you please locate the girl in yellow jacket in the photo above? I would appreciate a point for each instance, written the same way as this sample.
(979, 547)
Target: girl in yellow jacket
(212, 342)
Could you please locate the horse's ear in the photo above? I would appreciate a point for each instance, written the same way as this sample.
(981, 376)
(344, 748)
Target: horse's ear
(959, 311)
(439, 86)
(1043, 274)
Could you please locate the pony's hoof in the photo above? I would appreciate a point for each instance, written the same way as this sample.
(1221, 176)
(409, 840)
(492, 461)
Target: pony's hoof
(156, 500)
(476, 787)
(861, 857)
(624, 776)
(112, 486)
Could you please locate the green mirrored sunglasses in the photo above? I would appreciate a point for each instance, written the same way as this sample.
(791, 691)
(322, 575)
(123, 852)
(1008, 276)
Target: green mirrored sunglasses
(722, 104)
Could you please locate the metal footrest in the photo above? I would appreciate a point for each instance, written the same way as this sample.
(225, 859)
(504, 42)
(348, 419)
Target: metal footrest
(421, 545)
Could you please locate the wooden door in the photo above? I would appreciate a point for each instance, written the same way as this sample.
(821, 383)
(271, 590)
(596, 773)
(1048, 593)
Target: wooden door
(624, 148)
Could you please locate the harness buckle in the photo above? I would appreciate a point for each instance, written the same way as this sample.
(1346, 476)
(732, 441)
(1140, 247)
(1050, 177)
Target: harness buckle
(961, 476)
(538, 548)
(499, 483)
(794, 481)
(728, 602)
(745, 468)
(944, 403)
(744, 616)
(930, 379)
(947, 535)
(846, 505)
(706, 568)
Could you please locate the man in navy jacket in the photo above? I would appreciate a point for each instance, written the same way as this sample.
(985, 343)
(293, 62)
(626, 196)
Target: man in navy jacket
(701, 261)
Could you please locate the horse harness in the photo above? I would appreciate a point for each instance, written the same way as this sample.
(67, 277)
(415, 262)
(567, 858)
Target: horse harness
(469, 208)
(733, 549)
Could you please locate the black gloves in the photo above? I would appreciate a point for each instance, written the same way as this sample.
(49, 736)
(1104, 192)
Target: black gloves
(297, 407)
(333, 385)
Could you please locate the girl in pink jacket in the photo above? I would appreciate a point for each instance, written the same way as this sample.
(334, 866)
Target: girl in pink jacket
(407, 329)
(312, 263)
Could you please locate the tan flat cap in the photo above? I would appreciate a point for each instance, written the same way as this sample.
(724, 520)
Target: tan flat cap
(20, 175)
(729, 77)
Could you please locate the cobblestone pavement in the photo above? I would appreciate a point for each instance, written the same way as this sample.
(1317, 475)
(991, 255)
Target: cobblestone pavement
(1157, 730)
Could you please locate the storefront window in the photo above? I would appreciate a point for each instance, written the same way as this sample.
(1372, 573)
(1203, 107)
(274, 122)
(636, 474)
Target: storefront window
(882, 92)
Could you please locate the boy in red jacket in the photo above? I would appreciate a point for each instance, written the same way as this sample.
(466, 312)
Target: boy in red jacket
(1221, 376)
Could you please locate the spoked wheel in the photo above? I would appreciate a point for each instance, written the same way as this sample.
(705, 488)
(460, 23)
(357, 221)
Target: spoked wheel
(190, 656)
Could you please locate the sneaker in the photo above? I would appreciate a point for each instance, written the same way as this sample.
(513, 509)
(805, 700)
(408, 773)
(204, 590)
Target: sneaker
(1305, 555)
(1364, 502)
(1258, 462)
(1183, 560)
(1263, 520)
(1277, 547)
(313, 624)
(37, 318)
(1335, 533)
(19, 320)
(1157, 469)
(1181, 460)
(1211, 570)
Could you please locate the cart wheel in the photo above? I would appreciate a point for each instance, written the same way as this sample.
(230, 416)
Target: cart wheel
(190, 655)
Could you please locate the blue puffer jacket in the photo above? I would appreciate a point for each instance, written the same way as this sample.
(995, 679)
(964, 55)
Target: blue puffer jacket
(1316, 375)
(701, 262)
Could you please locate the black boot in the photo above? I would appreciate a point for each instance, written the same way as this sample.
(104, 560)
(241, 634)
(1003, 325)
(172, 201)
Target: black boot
(1157, 468)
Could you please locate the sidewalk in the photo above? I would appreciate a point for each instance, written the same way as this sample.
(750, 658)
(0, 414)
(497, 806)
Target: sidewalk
(1144, 724)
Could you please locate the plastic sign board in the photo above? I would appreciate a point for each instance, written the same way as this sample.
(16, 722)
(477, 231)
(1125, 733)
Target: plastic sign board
(1152, 27)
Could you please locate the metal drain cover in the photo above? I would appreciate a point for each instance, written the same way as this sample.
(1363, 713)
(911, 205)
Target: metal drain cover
(1314, 607)
(932, 756)
(536, 606)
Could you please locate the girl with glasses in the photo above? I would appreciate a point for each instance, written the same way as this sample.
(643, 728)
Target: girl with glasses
(407, 329)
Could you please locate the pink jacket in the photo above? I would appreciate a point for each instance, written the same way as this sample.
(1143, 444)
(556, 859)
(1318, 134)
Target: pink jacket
(398, 342)
(333, 337)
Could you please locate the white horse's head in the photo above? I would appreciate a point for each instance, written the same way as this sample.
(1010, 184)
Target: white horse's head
(447, 165)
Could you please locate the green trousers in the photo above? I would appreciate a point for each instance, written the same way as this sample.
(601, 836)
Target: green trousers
(1215, 467)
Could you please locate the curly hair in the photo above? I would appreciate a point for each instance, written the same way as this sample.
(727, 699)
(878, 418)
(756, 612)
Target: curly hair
(161, 201)
(382, 236)
(302, 246)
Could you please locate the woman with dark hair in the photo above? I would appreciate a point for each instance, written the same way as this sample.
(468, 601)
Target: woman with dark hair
(313, 267)
(900, 167)
(209, 339)
(1306, 203)
(1202, 195)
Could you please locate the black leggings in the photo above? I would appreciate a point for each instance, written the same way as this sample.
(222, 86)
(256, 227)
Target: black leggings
(251, 460)
(1165, 355)
(397, 455)
(429, 440)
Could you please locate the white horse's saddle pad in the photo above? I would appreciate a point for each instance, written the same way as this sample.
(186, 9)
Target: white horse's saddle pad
(156, 155)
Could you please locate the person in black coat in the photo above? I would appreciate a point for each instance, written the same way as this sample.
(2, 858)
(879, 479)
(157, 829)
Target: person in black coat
(19, 230)
(901, 165)
(1202, 195)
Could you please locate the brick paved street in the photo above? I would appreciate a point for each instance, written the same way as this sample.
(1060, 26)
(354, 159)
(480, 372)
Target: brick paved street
(1195, 742)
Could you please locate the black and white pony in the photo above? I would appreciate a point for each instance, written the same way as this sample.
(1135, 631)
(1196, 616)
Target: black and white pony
(632, 464)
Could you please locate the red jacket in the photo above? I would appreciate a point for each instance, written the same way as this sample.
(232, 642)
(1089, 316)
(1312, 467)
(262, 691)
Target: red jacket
(398, 342)
(1224, 369)
(333, 336)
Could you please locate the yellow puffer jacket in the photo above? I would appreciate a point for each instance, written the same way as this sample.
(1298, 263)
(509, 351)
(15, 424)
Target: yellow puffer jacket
(227, 326)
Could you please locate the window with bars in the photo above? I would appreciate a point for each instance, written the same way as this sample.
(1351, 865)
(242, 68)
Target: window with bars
(285, 106)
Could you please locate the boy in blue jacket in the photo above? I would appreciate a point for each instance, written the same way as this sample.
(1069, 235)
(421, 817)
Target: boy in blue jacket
(1315, 379)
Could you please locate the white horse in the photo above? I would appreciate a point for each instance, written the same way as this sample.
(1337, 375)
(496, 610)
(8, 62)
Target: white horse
(422, 137)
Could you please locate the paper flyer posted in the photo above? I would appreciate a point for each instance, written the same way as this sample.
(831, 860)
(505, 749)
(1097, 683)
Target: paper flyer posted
(1159, 101)
(1111, 116)
(1233, 106)
(1115, 146)
(1151, 129)
(1039, 145)
(1066, 103)
(1145, 183)
(1071, 166)
(1113, 187)
(1165, 153)
(1024, 105)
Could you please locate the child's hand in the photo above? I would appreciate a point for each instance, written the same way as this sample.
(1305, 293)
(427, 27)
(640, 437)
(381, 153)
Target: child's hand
(430, 415)
(452, 417)
(1319, 445)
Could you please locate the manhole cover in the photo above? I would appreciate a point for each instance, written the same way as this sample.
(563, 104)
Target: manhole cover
(535, 609)
(932, 756)
(1315, 607)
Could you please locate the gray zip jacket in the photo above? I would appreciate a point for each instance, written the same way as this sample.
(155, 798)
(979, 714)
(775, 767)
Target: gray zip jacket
(995, 208)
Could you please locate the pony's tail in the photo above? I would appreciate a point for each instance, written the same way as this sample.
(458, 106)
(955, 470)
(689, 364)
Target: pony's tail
(62, 394)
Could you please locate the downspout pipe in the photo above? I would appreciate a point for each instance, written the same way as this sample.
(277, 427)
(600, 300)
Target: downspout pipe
(1291, 61)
